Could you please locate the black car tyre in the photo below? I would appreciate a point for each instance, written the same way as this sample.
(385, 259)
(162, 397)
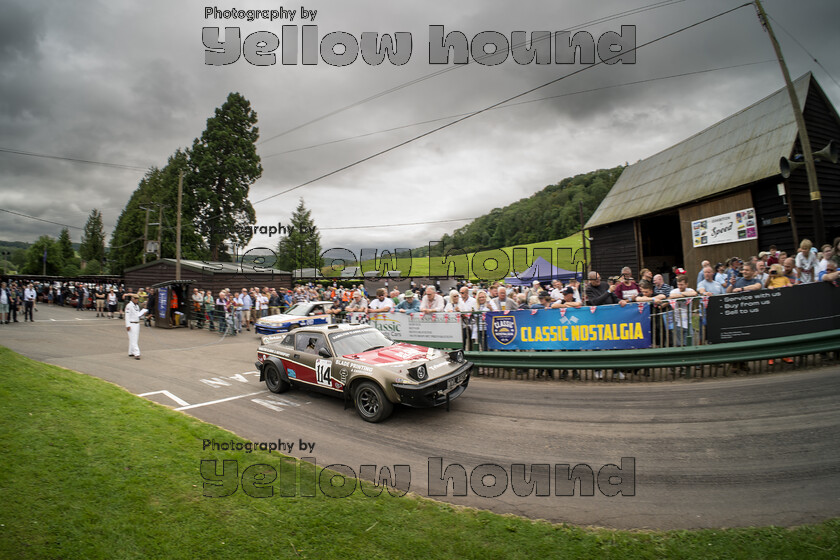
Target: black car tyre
(371, 403)
(273, 380)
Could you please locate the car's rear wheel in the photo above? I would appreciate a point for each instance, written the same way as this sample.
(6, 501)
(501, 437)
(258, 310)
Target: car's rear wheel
(273, 380)
(371, 403)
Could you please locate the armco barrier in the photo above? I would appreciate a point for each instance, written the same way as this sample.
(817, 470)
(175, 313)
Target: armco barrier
(691, 361)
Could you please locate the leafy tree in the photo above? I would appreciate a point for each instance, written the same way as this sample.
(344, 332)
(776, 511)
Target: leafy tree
(35, 257)
(93, 267)
(223, 165)
(93, 238)
(158, 186)
(65, 245)
(300, 247)
(71, 269)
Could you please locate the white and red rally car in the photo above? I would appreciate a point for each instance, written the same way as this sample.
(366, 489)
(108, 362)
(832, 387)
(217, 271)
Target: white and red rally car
(358, 363)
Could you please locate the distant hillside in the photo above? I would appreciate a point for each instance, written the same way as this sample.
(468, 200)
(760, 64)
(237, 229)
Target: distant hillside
(552, 213)
(11, 245)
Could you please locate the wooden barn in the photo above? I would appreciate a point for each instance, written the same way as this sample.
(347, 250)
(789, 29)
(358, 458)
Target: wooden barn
(662, 211)
(207, 275)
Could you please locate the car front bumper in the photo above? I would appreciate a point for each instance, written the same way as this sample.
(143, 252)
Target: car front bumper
(270, 329)
(437, 391)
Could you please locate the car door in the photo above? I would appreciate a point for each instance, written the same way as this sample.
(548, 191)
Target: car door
(319, 369)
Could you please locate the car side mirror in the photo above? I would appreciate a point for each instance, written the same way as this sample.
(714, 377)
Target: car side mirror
(324, 353)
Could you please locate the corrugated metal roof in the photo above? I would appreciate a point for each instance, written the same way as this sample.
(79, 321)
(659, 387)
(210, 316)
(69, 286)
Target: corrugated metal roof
(739, 150)
(211, 267)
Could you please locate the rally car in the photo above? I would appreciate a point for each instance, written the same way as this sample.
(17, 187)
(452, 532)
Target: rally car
(301, 314)
(359, 364)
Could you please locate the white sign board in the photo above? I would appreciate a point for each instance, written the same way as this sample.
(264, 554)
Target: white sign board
(725, 228)
(444, 328)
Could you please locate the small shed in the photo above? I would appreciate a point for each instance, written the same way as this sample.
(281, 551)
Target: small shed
(172, 305)
(207, 275)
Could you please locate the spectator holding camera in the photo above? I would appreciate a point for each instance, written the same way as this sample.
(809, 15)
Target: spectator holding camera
(599, 293)
(776, 278)
(745, 283)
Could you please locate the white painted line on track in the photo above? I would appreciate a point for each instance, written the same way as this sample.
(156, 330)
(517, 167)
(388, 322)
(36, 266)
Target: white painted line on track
(180, 401)
(221, 400)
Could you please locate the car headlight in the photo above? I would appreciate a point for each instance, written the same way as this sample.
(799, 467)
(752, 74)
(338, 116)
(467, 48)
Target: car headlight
(419, 373)
(457, 356)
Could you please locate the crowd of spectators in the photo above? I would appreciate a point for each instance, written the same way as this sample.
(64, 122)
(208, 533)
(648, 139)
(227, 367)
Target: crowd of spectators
(670, 296)
(22, 298)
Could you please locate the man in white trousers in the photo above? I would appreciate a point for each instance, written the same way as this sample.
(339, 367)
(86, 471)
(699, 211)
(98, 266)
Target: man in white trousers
(133, 313)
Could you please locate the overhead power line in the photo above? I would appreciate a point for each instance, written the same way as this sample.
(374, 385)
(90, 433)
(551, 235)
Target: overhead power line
(801, 46)
(39, 219)
(603, 19)
(568, 94)
(498, 104)
(74, 160)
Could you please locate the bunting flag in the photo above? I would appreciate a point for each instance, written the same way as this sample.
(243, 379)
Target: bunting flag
(534, 311)
(592, 309)
(484, 317)
(705, 302)
(506, 311)
(446, 318)
(641, 307)
(562, 312)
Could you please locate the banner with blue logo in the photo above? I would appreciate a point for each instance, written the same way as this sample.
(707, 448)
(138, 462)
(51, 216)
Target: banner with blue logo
(608, 327)
(163, 302)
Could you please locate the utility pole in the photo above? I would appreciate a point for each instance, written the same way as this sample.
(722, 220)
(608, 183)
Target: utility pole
(810, 167)
(583, 239)
(178, 228)
(160, 230)
(145, 234)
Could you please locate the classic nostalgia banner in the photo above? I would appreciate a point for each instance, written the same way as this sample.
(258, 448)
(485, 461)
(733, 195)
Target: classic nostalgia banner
(430, 329)
(725, 228)
(608, 327)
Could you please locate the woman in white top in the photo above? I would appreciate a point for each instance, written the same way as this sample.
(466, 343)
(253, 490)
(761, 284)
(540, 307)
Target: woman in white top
(454, 303)
(112, 303)
(482, 305)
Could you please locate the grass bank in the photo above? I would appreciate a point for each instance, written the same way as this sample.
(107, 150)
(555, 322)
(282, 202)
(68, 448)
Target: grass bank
(91, 471)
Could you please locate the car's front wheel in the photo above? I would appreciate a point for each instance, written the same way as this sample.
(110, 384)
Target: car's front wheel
(273, 380)
(371, 403)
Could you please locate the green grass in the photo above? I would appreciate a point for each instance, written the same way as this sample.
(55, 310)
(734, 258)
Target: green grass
(563, 253)
(91, 471)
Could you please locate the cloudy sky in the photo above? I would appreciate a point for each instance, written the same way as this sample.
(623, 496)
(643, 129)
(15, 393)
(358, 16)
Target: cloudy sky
(126, 84)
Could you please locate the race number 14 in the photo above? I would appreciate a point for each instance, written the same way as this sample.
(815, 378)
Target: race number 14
(322, 372)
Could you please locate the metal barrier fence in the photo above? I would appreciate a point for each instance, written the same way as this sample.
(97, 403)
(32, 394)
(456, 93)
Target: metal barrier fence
(679, 349)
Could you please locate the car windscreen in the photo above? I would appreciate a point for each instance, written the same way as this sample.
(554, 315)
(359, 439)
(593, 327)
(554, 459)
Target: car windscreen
(299, 309)
(356, 342)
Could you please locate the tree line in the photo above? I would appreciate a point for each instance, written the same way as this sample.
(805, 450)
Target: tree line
(552, 213)
(216, 173)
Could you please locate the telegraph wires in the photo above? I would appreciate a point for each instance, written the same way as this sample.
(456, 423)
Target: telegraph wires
(604, 19)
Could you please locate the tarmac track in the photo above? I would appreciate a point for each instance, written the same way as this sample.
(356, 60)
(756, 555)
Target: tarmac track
(743, 451)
